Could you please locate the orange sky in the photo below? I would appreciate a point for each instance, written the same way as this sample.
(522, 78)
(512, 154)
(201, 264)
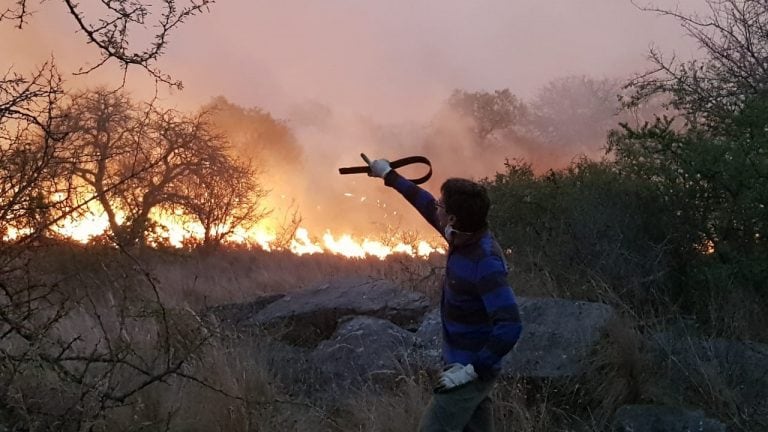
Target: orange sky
(393, 59)
(369, 62)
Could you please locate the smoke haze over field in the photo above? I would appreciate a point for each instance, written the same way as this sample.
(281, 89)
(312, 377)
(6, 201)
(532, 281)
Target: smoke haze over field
(390, 60)
(351, 77)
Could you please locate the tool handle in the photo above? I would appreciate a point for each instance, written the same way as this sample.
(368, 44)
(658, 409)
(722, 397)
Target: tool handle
(394, 164)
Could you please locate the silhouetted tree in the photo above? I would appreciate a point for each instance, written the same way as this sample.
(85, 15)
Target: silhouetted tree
(139, 158)
(575, 113)
(107, 364)
(31, 192)
(223, 196)
(255, 135)
(118, 27)
(488, 112)
(29, 147)
(734, 40)
(103, 139)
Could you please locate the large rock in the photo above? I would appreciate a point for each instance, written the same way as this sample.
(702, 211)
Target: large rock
(557, 337)
(307, 317)
(429, 340)
(236, 313)
(657, 418)
(364, 350)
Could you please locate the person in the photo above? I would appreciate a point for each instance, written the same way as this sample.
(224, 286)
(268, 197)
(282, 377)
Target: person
(479, 314)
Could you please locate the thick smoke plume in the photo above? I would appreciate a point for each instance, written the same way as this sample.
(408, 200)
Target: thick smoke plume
(372, 77)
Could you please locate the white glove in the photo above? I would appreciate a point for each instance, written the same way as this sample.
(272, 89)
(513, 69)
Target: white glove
(379, 168)
(454, 375)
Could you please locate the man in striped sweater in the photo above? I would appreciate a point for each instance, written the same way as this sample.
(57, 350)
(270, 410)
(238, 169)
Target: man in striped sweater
(479, 314)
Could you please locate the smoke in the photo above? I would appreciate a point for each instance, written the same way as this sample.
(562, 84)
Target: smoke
(352, 203)
(373, 77)
(362, 205)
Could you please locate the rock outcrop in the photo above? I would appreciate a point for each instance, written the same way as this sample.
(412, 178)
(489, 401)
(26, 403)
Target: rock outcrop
(309, 317)
(361, 333)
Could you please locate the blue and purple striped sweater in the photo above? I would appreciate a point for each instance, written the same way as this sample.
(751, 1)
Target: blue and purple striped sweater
(480, 317)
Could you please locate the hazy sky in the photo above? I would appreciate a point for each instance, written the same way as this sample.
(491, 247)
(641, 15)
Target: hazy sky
(369, 62)
(389, 59)
(397, 59)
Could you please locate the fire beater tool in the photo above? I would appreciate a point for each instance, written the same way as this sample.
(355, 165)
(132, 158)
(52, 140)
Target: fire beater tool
(394, 164)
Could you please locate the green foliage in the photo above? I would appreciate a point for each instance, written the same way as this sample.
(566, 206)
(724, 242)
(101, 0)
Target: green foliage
(710, 162)
(716, 183)
(584, 222)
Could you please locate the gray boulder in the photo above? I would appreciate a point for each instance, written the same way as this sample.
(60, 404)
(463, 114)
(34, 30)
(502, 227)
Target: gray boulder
(557, 337)
(235, 313)
(364, 350)
(658, 418)
(307, 317)
(429, 340)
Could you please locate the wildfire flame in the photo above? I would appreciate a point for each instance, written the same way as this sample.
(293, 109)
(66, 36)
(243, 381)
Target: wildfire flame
(177, 231)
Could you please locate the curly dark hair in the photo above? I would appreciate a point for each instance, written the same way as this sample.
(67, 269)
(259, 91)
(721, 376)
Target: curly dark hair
(468, 201)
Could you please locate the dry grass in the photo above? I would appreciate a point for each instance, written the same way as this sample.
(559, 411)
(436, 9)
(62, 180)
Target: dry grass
(393, 411)
(617, 372)
(237, 276)
(225, 384)
(530, 407)
(240, 383)
(237, 391)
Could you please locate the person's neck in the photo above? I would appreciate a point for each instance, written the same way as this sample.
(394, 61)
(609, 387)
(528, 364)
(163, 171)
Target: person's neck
(462, 238)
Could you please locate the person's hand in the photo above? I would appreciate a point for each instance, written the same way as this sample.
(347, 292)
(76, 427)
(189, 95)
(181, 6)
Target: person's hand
(454, 375)
(379, 168)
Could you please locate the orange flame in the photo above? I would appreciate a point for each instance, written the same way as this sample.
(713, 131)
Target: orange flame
(176, 231)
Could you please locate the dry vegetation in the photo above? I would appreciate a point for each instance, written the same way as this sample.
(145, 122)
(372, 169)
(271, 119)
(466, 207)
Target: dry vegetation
(233, 382)
(144, 312)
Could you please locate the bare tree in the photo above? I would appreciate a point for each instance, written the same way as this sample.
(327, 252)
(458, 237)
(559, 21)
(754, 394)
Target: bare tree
(112, 26)
(137, 159)
(289, 225)
(576, 112)
(489, 112)
(29, 146)
(733, 37)
(103, 127)
(30, 152)
(93, 347)
(223, 195)
(133, 341)
(170, 149)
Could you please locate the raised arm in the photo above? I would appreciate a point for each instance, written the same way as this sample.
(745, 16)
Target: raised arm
(420, 199)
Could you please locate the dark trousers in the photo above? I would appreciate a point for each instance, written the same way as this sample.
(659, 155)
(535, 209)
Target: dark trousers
(467, 408)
